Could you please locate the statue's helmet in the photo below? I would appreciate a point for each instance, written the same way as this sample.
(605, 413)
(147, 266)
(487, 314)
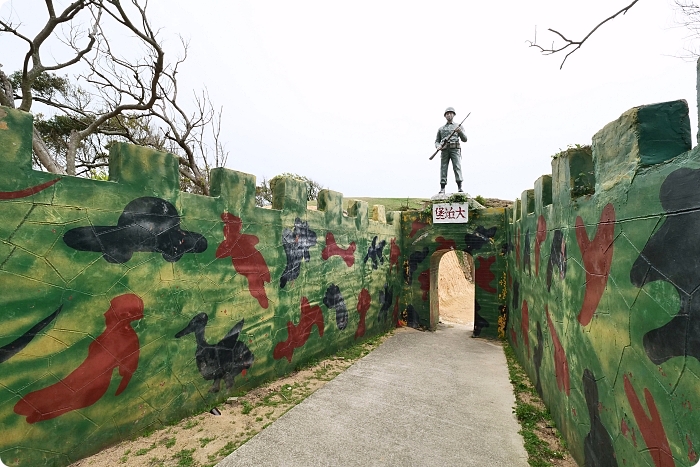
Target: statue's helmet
(450, 109)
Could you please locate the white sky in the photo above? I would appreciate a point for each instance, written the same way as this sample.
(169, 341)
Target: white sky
(351, 94)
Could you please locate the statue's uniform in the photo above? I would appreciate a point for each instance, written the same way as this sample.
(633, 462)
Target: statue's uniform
(451, 152)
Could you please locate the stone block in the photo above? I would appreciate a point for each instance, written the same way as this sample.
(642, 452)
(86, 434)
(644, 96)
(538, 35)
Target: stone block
(642, 136)
(236, 189)
(16, 129)
(543, 193)
(154, 172)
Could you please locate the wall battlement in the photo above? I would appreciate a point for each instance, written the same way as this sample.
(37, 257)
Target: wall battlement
(83, 261)
(590, 276)
(133, 275)
(602, 273)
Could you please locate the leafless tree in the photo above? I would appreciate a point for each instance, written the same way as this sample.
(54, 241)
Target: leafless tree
(570, 46)
(689, 17)
(118, 97)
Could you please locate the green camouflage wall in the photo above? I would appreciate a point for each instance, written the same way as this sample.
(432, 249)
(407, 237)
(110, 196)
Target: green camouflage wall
(424, 243)
(107, 287)
(604, 263)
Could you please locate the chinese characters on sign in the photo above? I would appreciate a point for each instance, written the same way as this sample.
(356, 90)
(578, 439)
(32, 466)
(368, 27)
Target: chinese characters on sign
(450, 213)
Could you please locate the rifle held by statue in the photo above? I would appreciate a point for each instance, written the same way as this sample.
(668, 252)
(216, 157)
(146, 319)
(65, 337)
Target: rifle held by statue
(450, 136)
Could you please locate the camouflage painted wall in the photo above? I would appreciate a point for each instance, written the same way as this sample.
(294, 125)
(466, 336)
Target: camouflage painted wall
(127, 304)
(424, 243)
(603, 269)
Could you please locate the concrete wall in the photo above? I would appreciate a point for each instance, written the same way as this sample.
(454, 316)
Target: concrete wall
(102, 281)
(424, 243)
(603, 271)
(127, 304)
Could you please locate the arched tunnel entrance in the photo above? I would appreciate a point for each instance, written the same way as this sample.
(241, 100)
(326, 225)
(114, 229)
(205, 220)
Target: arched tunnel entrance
(452, 288)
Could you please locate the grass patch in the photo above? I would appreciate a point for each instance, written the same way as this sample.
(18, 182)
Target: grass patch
(184, 458)
(169, 442)
(247, 407)
(535, 420)
(391, 204)
(361, 349)
(227, 449)
(144, 451)
(204, 441)
(190, 424)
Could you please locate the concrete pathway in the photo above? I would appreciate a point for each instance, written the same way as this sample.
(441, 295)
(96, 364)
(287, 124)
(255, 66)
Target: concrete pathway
(420, 399)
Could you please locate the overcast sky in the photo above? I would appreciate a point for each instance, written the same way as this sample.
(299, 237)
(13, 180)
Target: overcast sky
(351, 94)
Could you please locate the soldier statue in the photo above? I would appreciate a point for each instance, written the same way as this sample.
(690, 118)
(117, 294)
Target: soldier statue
(447, 140)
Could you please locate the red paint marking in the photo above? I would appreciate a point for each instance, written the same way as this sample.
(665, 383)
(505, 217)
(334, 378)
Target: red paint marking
(246, 260)
(363, 302)
(597, 259)
(525, 326)
(692, 455)
(540, 237)
(117, 347)
(394, 255)
(424, 280)
(561, 366)
(483, 276)
(624, 428)
(415, 227)
(445, 244)
(332, 249)
(299, 334)
(27, 191)
(513, 337)
(651, 427)
(517, 247)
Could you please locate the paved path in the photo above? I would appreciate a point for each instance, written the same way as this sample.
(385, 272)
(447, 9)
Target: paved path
(420, 399)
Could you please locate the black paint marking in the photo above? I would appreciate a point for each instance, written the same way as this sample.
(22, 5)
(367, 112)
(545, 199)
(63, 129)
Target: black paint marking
(334, 300)
(146, 225)
(375, 252)
(537, 357)
(479, 321)
(11, 349)
(480, 237)
(671, 255)
(296, 245)
(414, 260)
(385, 298)
(224, 360)
(597, 447)
(557, 258)
(412, 319)
(526, 252)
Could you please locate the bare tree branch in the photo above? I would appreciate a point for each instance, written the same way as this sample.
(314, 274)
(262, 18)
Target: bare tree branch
(573, 43)
(125, 97)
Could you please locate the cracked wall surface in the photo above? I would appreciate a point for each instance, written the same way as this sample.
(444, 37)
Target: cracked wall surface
(605, 320)
(127, 305)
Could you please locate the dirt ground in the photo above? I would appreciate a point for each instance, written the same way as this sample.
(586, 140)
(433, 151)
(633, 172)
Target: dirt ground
(456, 293)
(205, 439)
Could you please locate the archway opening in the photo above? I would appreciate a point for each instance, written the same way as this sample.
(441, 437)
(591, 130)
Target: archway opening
(452, 289)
